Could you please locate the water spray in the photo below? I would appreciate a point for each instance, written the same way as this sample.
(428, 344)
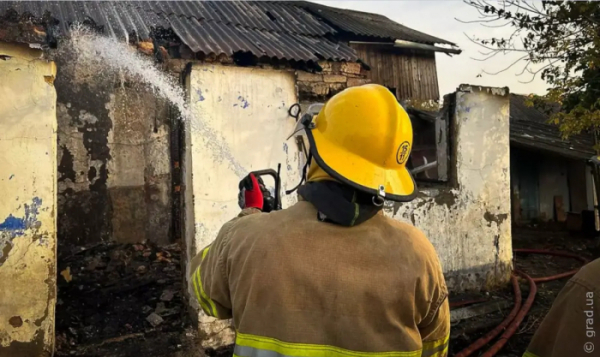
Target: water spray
(104, 53)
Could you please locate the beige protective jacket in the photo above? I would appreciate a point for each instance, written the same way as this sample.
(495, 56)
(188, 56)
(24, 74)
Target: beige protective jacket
(296, 286)
(572, 326)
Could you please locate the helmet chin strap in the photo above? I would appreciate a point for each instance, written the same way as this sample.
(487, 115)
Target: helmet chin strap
(303, 179)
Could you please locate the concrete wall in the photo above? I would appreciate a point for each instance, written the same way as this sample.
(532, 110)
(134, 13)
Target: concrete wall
(469, 224)
(114, 159)
(247, 109)
(28, 205)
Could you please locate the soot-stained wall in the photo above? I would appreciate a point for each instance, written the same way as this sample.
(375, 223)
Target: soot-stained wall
(469, 221)
(113, 158)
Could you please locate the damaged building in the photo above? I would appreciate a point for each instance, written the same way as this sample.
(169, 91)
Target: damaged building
(105, 159)
(551, 179)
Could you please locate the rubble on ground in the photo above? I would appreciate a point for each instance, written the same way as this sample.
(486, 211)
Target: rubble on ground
(123, 300)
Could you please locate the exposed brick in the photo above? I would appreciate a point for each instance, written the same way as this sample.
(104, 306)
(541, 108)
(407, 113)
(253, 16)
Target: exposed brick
(146, 48)
(304, 88)
(320, 88)
(334, 78)
(357, 81)
(336, 67)
(351, 67)
(326, 66)
(308, 77)
(335, 88)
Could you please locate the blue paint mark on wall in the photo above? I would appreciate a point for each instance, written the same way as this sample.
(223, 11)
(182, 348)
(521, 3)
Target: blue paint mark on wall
(200, 97)
(244, 102)
(13, 227)
(12, 223)
(285, 147)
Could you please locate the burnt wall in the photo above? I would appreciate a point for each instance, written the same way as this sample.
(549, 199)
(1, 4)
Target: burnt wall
(113, 153)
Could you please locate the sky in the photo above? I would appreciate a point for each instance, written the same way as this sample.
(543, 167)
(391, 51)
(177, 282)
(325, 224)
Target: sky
(438, 18)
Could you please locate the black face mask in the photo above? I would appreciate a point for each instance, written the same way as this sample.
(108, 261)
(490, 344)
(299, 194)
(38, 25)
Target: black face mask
(338, 203)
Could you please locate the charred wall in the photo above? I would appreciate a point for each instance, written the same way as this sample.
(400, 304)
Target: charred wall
(113, 153)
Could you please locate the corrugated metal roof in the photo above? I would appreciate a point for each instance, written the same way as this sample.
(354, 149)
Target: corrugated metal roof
(260, 15)
(117, 18)
(529, 127)
(265, 29)
(216, 37)
(367, 24)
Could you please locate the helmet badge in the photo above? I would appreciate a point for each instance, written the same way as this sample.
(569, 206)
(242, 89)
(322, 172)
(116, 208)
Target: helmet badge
(403, 152)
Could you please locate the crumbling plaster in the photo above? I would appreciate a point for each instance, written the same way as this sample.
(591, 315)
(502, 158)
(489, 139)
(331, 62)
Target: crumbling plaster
(28, 206)
(469, 224)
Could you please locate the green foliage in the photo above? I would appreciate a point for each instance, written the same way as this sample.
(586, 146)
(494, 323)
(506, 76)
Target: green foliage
(562, 38)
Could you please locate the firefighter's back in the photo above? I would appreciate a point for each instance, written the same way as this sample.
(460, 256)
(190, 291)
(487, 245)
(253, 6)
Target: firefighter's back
(297, 280)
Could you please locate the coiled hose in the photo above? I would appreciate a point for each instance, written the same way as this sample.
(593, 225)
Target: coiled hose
(511, 323)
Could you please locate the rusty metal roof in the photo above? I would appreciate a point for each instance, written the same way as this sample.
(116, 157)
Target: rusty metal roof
(369, 25)
(529, 128)
(273, 29)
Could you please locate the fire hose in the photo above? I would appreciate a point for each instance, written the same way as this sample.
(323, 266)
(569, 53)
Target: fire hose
(511, 323)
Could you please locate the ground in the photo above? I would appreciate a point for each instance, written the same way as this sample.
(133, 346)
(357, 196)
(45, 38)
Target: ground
(550, 238)
(123, 300)
(127, 300)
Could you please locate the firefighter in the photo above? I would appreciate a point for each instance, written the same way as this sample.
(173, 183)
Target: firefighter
(331, 275)
(569, 328)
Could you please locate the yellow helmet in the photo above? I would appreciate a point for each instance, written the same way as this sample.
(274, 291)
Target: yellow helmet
(363, 137)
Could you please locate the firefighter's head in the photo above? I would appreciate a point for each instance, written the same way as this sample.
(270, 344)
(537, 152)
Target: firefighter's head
(362, 137)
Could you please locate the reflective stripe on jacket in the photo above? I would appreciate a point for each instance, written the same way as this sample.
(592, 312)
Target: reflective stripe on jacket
(296, 286)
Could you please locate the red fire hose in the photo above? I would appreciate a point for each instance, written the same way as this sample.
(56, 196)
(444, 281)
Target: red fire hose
(511, 323)
(496, 331)
(557, 254)
(512, 328)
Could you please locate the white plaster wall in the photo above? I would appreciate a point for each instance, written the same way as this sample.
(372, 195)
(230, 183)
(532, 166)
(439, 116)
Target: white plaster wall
(470, 225)
(247, 109)
(28, 205)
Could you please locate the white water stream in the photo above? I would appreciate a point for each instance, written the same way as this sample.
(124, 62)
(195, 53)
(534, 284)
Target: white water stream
(107, 53)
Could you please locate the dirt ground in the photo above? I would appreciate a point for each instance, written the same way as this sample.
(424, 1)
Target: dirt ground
(123, 300)
(126, 300)
(551, 238)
